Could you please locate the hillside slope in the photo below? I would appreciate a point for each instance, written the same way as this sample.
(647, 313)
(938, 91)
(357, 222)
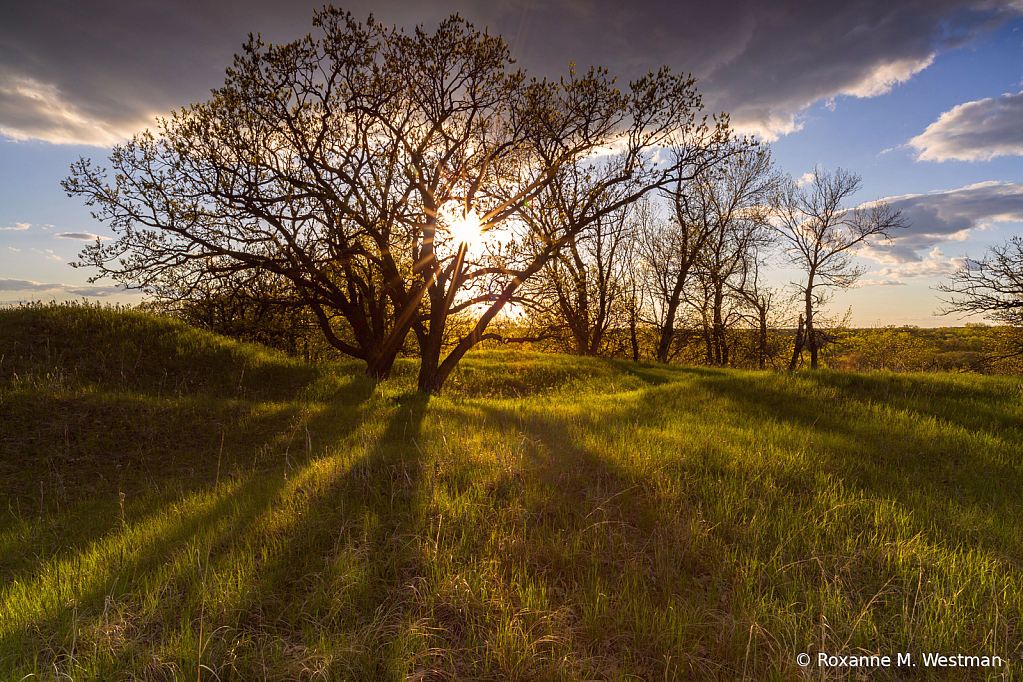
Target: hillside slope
(178, 505)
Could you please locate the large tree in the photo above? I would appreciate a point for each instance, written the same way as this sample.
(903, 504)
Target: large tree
(820, 235)
(344, 163)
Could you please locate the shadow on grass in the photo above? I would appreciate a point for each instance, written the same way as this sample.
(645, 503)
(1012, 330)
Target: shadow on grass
(346, 562)
(654, 375)
(921, 441)
(331, 567)
(132, 548)
(101, 458)
(645, 575)
(615, 560)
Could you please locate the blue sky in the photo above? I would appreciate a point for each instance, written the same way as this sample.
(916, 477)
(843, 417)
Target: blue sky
(922, 98)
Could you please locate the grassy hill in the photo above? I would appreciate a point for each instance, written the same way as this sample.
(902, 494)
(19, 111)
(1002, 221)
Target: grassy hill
(176, 505)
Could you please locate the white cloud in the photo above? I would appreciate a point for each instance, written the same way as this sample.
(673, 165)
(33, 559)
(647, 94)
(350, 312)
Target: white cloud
(879, 283)
(935, 265)
(17, 226)
(769, 125)
(99, 291)
(49, 254)
(946, 216)
(11, 248)
(886, 75)
(81, 236)
(805, 179)
(73, 289)
(975, 131)
(33, 110)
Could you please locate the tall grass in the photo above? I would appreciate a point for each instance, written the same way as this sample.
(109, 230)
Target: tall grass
(179, 506)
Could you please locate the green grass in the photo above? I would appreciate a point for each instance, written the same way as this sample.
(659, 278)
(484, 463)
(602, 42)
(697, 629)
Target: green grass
(181, 506)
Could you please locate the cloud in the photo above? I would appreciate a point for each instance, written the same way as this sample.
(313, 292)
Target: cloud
(935, 265)
(82, 236)
(73, 289)
(975, 131)
(17, 226)
(941, 217)
(26, 285)
(799, 54)
(763, 61)
(11, 248)
(879, 283)
(33, 110)
(99, 291)
(49, 254)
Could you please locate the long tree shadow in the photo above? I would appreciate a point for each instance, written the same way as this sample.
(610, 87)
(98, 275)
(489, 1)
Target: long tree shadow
(587, 490)
(106, 482)
(328, 563)
(342, 561)
(927, 452)
(128, 557)
(620, 558)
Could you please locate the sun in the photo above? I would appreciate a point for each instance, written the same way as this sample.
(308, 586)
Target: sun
(465, 228)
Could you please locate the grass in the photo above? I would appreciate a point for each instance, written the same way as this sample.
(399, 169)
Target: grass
(180, 506)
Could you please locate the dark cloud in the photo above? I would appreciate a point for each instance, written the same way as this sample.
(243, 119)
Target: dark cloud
(73, 289)
(975, 131)
(26, 285)
(93, 72)
(941, 217)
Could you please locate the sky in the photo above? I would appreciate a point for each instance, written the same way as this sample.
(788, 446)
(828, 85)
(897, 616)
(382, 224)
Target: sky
(922, 98)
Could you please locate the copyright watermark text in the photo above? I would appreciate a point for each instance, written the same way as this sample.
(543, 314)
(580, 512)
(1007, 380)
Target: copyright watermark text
(899, 660)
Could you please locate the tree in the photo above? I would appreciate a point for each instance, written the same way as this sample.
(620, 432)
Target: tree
(345, 164)
(760, 303)
(581, 294)
(992, 286)
(703, 205)
(821, 235)
(733, 206)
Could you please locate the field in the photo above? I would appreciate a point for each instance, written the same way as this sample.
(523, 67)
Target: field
(176, 505)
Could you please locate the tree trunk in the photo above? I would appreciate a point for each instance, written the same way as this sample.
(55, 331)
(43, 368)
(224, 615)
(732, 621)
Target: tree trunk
(720, 351)
(668, 330)
(763, 339)
(798, 348)
(633, 336)
(379, 367)
(708, 340)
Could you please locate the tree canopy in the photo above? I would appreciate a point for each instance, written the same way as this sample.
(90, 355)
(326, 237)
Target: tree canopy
(342, 163)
